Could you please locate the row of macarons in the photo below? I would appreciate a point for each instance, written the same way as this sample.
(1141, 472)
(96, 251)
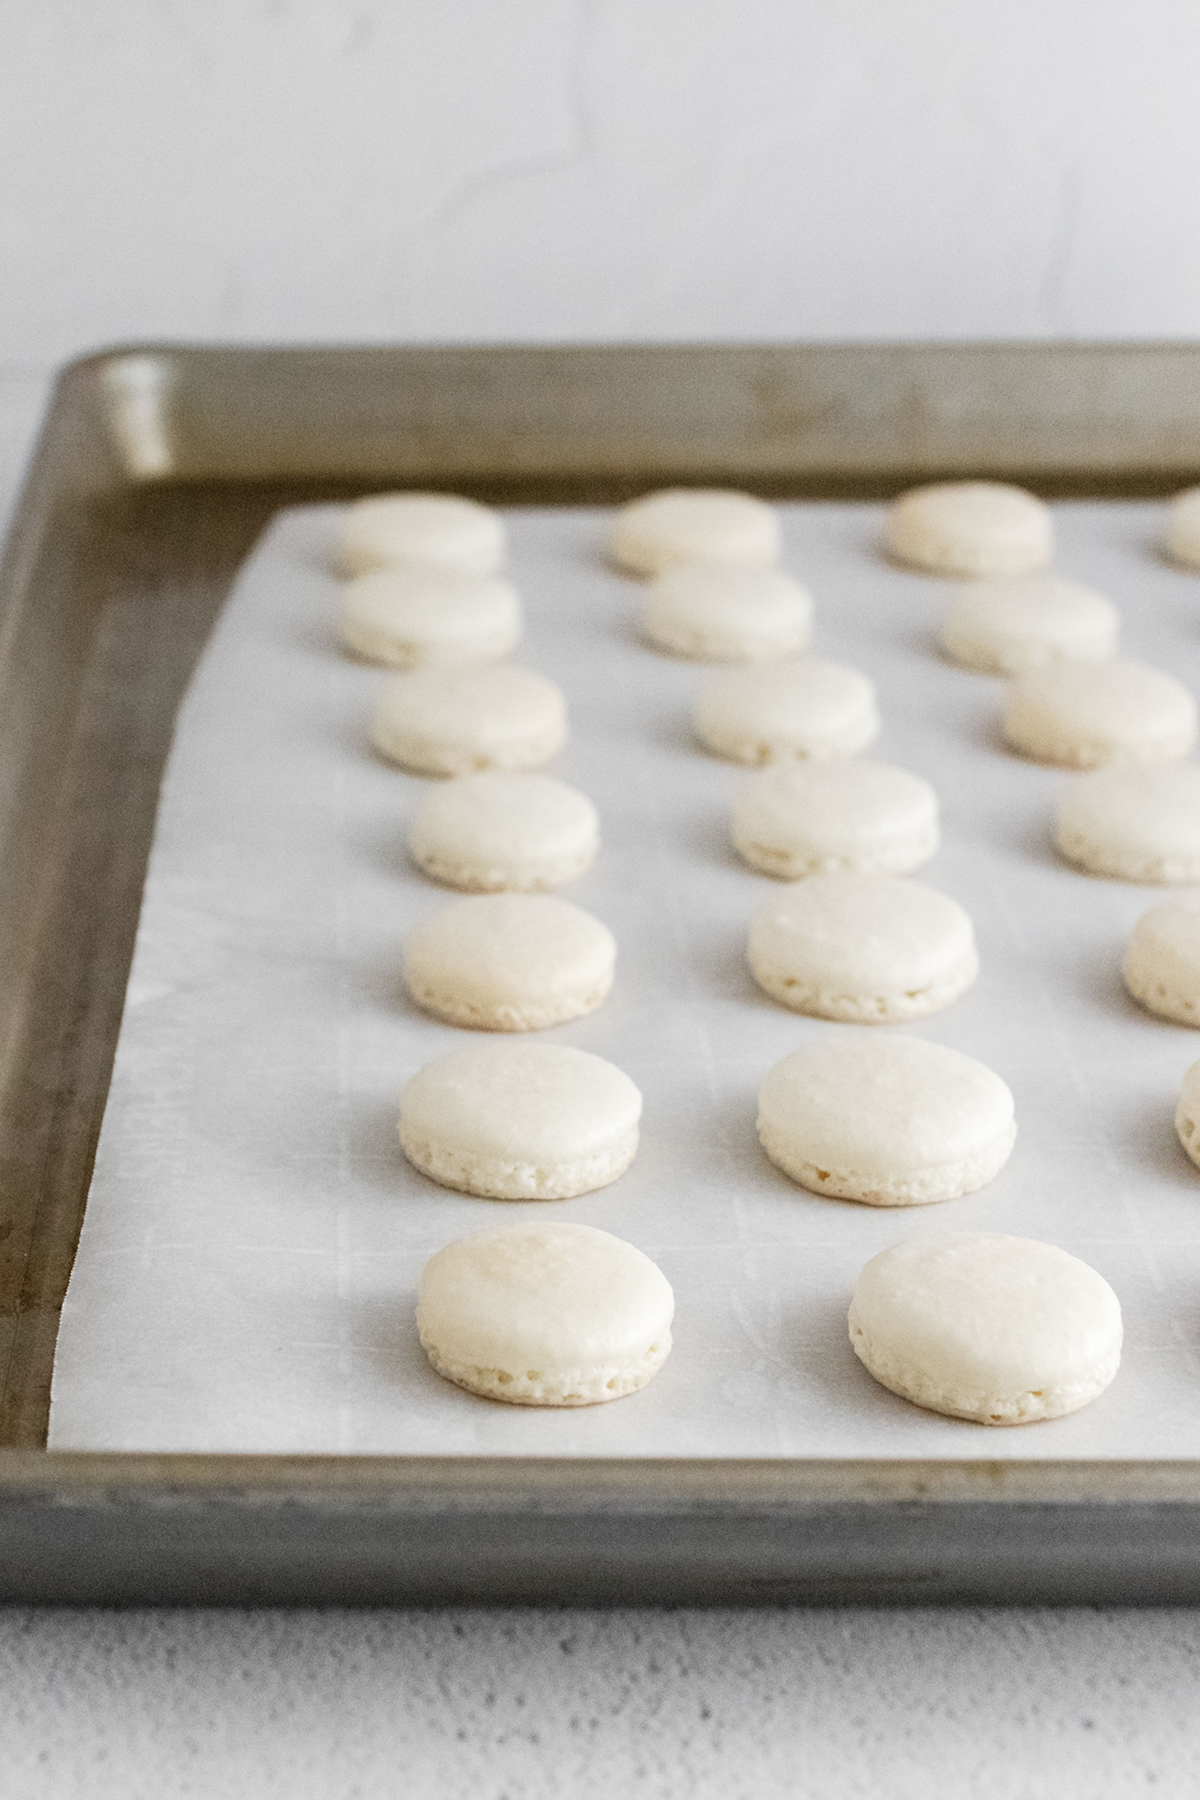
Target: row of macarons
(997, 1329)
(483, 1370)
(969, 529)
(426, 586)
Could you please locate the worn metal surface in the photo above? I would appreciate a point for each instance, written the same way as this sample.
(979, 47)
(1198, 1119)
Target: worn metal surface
(157, 469)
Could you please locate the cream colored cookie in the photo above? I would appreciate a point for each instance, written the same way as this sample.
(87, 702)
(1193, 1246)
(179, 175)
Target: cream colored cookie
(1134, 824)
(787, 712)
(1187, 1113)
(1009, 626)
(851, 813)
(458, 721)
(520, 1121)
(695, 525)
(496, 833)
(545, 1315)
(509, 962)
(419, 618)
(715, 612)
(868, 949)
(999, 1330)
(1161, 965)
(1088, 715)
(441, 531)
(1183, 528)
(893, 1121)
(973, 528)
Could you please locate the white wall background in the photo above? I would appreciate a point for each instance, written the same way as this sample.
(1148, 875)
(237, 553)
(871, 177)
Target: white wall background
(556, 169)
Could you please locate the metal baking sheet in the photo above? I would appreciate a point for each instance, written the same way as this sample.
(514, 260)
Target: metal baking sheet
(158, 468)
(246, 1275)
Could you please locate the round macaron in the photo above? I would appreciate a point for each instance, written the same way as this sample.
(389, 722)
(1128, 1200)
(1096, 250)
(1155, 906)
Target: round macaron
(1183, 528)
(867, 949)
(999, 1330)
(1088, 715)
(716, 612)
(520, 1121)
(892, 1121)
(458, 721)
(417, 618)
(440, 531)
(1140, 824)
(972, 528)
(509, 962)
(695, 525)
(1010, 626)
(496, 833)
(545, 1315)
(787, 712)
(816, 818)
(1187, 1113)
(1161, 965)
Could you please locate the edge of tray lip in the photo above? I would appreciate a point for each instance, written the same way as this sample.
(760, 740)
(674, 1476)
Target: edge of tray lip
(205, 347)
(509, 1483)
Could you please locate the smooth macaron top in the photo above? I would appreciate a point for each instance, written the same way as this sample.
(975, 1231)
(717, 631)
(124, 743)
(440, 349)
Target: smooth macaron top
(475, 711)
(1183, 528)
(724, 613)
(1106, 712)
(787, 710)
(884, 1106)
(862, 934)
(695, 525)
(412, 617)
(974, 528)
(1008, 625)
(441, 531)
(496, 948)
(550, 1298)
(981, 1314)
(839, 810)
(513, 821)
(1164, 946)
(1134, 812)
(528, 1102)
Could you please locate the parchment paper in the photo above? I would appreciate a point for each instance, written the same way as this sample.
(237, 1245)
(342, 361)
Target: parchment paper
(246, 1275)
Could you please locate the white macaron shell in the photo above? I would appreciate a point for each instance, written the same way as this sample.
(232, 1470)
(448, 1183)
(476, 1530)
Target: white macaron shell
(1089, 714)
(1161, 965)
(504, 830)
(852, 813)
(861, 935)
(722, 613)
(975, 528)
(1183, 528)
(1007, 626)
(885, 1106)
(555, 1299)
(416, 617)
(996, 1328)
(787, 710)
(1187, 1113)
(510, 961)
(441, 531)
(539, 1103)
(695, 525)
(455, 721)
(1140, 824)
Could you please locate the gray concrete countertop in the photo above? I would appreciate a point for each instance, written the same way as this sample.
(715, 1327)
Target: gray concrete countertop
(912, 1705)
